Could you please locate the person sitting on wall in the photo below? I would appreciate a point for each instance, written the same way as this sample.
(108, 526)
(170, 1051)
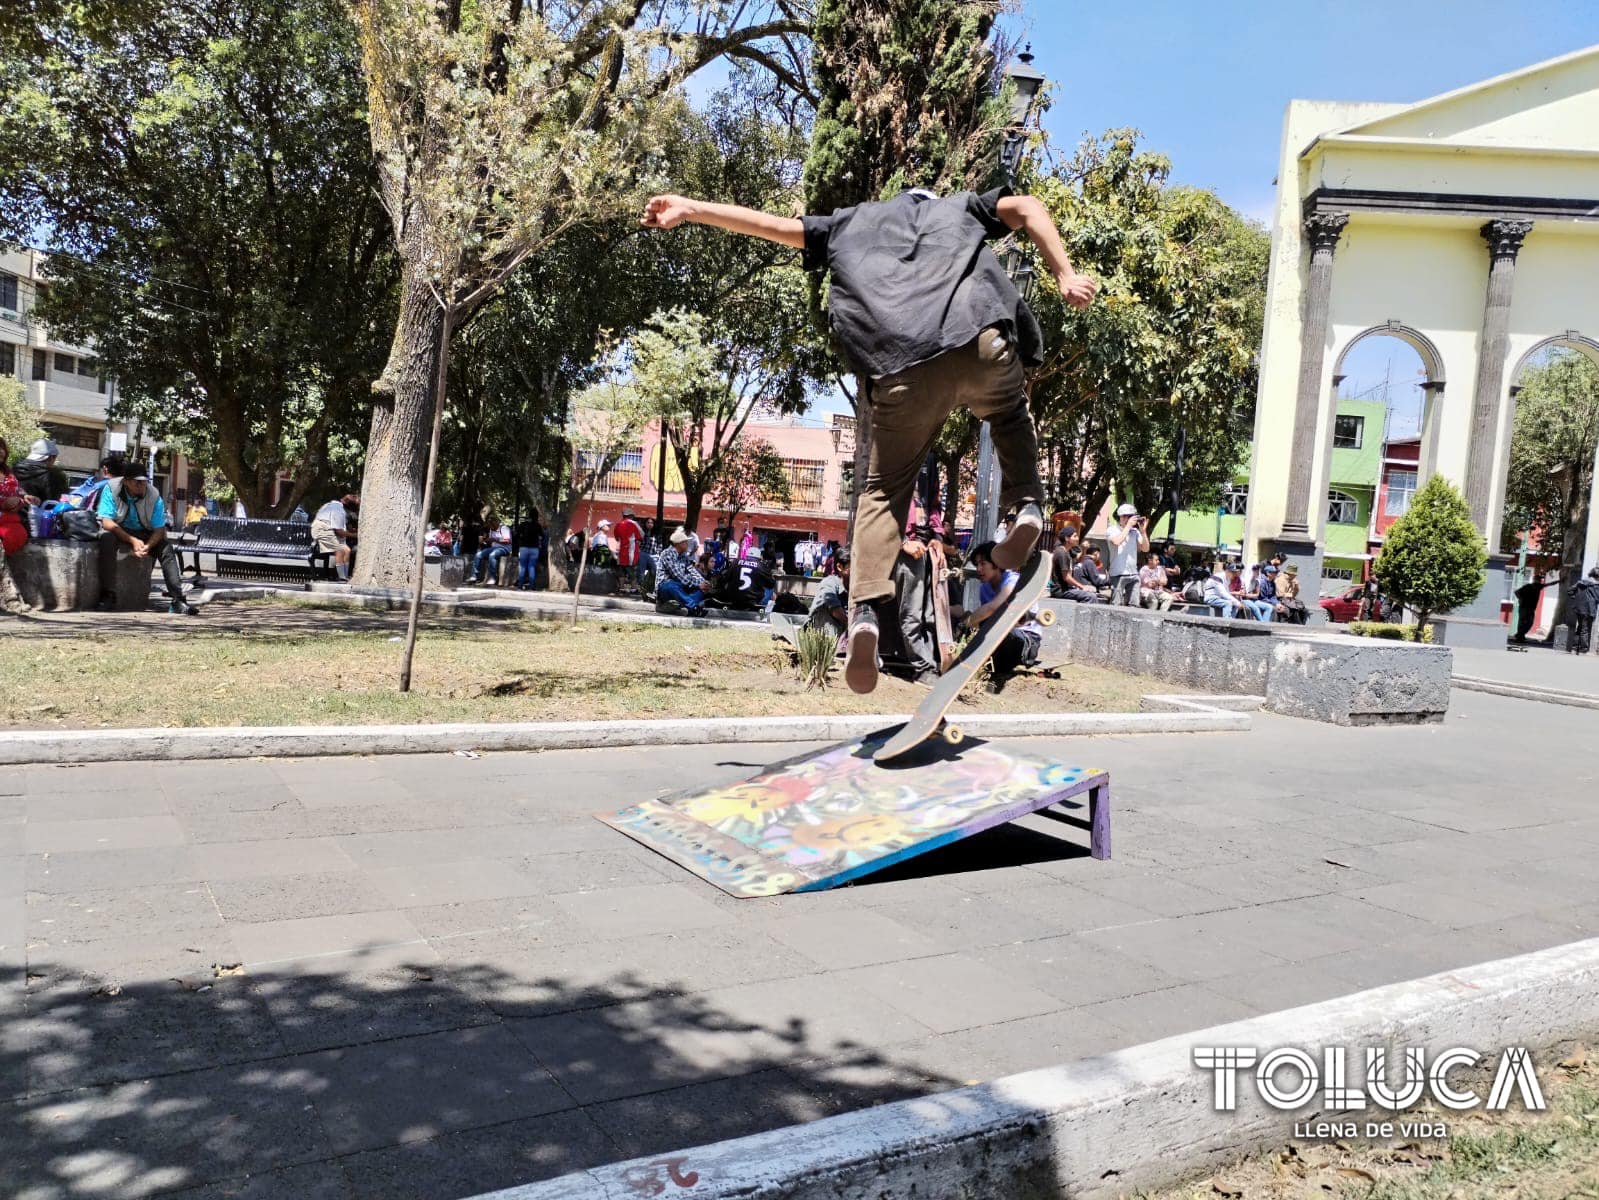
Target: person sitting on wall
(830, 605)
(132, 514)
(679, 584)
(1021, 645)
(38, 474)
(1218, 595)
(1152, 589)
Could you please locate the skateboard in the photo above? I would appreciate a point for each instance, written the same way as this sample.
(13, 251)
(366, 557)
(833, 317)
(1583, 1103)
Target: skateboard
(928, 719)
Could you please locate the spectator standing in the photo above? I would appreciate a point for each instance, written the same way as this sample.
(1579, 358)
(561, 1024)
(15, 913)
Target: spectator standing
(1580, 613)
(1128, 544)
(1219, 596)
(13, 533)
(678, 580)
(1173, 569)
(330, 530)
(530, 540)
(132, 514)
(629, 535)
(1152, 590)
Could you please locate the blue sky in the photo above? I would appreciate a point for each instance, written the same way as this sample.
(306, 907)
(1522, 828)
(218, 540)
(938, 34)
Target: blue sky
(1207, 82)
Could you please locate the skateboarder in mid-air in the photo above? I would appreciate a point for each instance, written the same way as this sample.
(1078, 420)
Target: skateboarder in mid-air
(928, 320)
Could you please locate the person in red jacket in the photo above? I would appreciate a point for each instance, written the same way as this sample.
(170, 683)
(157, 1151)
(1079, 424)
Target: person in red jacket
(628, 542)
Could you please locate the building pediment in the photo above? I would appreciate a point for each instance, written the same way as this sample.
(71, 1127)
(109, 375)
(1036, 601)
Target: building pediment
(1550, 106)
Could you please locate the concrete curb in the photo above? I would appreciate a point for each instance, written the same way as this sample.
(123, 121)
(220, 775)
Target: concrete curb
(309, 741)
(1104, 1127)
(1526, 691)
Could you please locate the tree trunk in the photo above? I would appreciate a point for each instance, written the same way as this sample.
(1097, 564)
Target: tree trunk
(693, 502)
(1572, 542)
(396, 466)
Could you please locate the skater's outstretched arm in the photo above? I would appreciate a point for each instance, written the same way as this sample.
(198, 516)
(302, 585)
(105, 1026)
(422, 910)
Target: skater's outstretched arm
(668, 212)
(1028, 214)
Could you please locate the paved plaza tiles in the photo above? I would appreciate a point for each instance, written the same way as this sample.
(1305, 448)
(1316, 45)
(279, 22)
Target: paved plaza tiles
(430, 976)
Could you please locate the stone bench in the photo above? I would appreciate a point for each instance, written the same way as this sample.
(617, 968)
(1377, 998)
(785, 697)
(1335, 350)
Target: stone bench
(61, 575)
(1333, 677)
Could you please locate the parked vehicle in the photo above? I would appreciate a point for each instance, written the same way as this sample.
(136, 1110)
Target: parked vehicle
(1345, 606)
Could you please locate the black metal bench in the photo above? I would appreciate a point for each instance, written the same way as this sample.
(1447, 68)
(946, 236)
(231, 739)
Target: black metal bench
(257, 538)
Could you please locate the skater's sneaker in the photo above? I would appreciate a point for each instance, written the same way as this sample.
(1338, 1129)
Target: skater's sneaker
(1025, 529)
(860, 662)
(181, 608)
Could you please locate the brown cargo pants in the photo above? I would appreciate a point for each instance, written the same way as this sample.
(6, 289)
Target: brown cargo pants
(908, 410)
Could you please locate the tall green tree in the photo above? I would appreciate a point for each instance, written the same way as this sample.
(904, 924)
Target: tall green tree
(1552, 451)
(19, 421)
(202, 175)
(499, 126)
(1171, 343)
(907, 96)
(1432, 557)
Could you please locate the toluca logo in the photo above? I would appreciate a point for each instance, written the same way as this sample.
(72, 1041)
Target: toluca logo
(1287, 1078)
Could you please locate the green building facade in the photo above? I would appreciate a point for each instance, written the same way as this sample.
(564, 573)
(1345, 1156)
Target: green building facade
(1356, 468)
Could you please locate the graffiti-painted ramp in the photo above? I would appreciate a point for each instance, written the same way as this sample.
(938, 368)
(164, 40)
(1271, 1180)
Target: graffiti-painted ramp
(829, 818)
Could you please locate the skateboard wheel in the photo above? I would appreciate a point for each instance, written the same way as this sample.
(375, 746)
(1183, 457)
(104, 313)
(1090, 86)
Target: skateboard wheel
(953, 735)
(1046, 616)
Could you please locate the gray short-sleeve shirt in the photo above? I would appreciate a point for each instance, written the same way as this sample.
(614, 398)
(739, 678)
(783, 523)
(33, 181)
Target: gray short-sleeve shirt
(913, 277)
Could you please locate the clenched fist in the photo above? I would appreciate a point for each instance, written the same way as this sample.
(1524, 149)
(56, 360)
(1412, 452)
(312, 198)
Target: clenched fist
(667, 212)
(1077, 290)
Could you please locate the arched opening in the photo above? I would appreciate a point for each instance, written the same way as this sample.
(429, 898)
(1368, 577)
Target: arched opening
(1547, 523)
(1388, 382)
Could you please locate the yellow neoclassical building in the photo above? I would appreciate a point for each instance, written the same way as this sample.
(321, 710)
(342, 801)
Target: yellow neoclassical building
(1468, 226)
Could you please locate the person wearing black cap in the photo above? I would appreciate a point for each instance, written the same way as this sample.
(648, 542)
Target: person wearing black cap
(132, 514)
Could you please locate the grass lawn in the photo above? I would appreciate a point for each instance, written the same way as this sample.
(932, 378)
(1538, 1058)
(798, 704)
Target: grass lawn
(1510, 1155)
(277, 662)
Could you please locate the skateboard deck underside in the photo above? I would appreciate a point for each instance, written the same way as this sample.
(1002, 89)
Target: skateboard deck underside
(828, 818)
(930, 712)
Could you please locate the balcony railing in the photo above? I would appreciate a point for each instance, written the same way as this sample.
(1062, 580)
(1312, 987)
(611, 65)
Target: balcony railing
(624, 479)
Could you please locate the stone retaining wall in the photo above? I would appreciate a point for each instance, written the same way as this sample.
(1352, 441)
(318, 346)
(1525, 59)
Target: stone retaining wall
(1324, 676)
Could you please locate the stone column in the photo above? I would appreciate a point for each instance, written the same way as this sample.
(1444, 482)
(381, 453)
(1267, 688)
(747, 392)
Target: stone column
(1504, 238)
(1322, 230)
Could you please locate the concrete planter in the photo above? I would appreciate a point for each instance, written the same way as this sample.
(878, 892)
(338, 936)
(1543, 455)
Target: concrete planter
(1324, 676)
(597, 581)
(58, 575)
(447, 572)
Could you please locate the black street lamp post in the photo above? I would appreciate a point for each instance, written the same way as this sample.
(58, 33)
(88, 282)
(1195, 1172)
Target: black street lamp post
(1027, 81)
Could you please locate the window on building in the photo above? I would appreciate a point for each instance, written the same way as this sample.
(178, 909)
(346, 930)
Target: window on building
(805, 482)
(1342, 508)
(8, 359)
(1337, 575)
(1401, 487)
(1235, 499)
(81, 437)
(66, 364)
(1349, 432)
(622, 479)
(41, 365)
(8, 291)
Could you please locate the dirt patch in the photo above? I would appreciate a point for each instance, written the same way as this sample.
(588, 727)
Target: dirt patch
(1549, 1155)
(276, 662)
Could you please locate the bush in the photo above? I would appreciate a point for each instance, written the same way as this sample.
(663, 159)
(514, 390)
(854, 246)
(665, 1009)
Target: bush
(817, 649)
(1432, 557)
(1391, 631)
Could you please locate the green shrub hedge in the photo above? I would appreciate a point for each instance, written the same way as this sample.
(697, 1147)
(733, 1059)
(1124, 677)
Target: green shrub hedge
(1388, 629)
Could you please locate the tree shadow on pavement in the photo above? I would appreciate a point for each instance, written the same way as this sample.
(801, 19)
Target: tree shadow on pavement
(377, 1075)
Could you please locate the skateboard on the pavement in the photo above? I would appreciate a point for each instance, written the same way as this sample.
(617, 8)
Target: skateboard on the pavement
(928, 719)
